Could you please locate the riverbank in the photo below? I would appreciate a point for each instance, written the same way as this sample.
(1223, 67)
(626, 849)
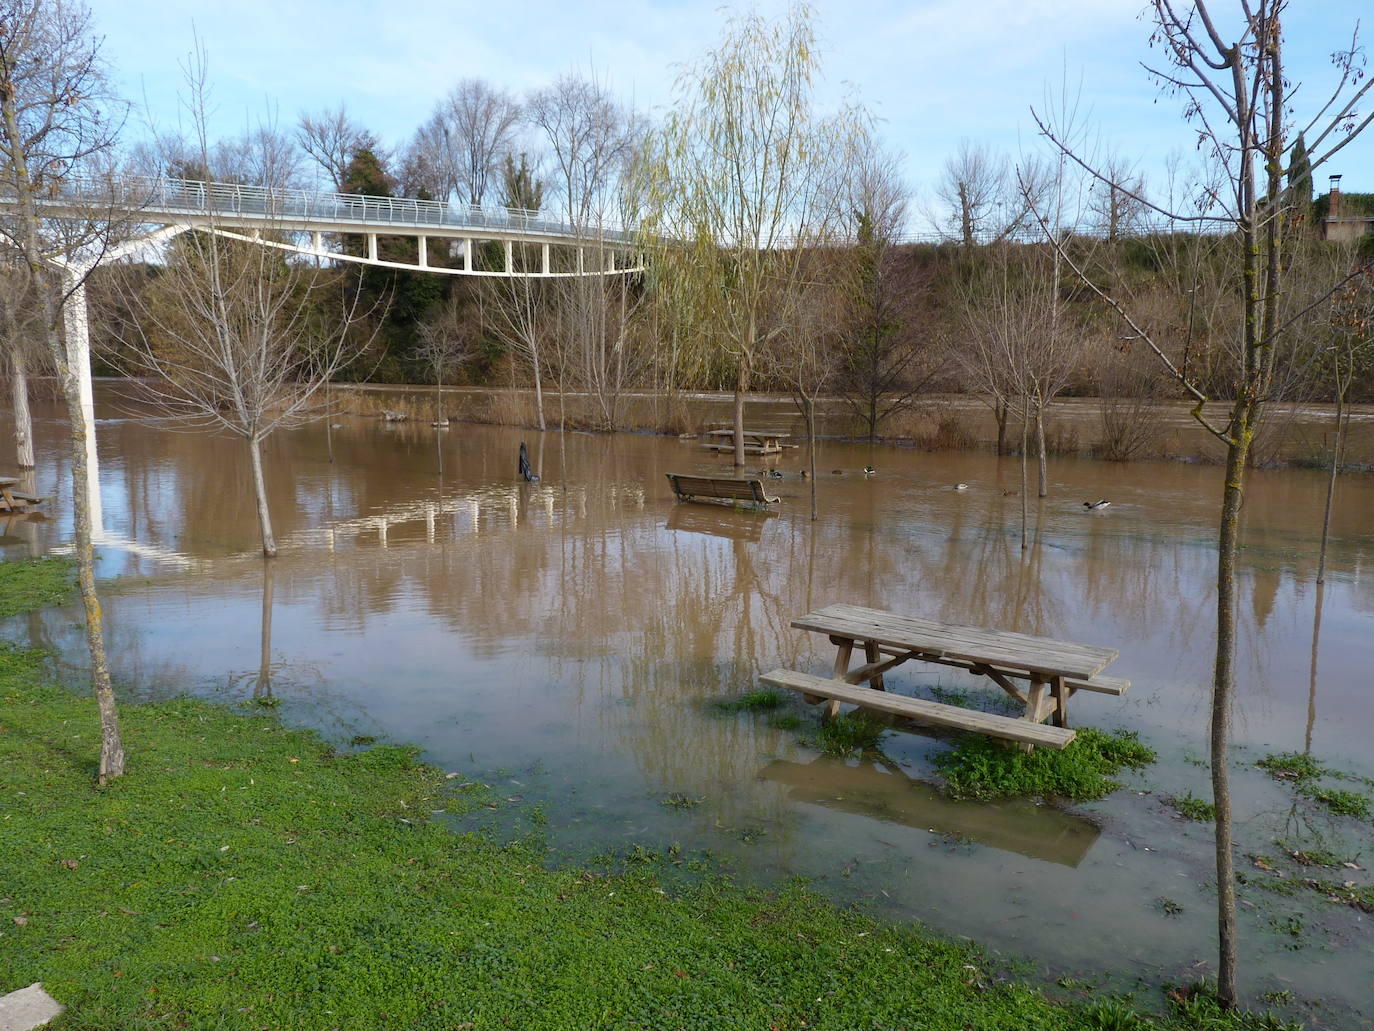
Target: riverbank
(1112, 429)
(246, 875)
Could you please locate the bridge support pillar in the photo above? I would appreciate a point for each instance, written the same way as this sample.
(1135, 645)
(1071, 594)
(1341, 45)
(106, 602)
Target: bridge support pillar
(467, 255)
(545, 260)
(371, 246)
(510, 259)
(422, 246)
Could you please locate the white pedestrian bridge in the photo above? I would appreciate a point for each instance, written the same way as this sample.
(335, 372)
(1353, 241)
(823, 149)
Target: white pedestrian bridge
(309, 221)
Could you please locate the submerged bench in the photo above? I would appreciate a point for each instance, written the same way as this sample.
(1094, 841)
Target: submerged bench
(720, 488)
(937, 713)
(12, 500)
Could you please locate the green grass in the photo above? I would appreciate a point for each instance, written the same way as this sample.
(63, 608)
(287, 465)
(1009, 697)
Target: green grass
(34, 584)
(1290, 766)
(1338, 800)
(848, 733)
(986, 769)
(242, 875)
(1194, 808)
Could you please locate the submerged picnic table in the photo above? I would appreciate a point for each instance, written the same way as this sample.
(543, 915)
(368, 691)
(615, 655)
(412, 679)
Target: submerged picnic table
(756, 442)
(12, 500)
(1053, 671)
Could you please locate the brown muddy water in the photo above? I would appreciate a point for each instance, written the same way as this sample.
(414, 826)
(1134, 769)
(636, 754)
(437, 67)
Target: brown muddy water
(564, 642)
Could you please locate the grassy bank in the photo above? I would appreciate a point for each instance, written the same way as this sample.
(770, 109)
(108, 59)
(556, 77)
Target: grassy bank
(245, 875)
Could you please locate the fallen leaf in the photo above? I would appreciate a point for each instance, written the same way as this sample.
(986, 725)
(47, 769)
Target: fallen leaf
(21, 921)
(1352, 866)
(1262, 864)
(70, 864)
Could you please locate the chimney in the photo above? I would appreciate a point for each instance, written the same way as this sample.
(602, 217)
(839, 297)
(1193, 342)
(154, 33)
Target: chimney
(1335, 207)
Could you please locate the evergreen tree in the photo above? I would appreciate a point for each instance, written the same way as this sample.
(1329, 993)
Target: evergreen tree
(1299, 192)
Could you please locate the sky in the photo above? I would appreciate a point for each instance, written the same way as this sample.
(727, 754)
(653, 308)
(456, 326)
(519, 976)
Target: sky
(932, 72)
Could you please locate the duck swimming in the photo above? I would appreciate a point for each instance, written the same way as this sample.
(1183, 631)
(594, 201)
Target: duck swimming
(1096, 504)
(869, 470)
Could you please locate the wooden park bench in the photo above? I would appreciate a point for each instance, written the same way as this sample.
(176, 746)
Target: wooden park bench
(1054, 672)
(720, 489)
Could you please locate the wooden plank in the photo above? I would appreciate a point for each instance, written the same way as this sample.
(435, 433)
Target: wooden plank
(995, 647)
(871, 654)
(843, 650)
(1099, 685)
(1061, 701)
(875, 670)
(918, 709)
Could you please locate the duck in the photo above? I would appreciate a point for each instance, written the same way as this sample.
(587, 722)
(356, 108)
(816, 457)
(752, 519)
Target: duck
(805, 475)
(837, 472)
(869, 470)
(775, 474)
(1094, 505)
(961, 486)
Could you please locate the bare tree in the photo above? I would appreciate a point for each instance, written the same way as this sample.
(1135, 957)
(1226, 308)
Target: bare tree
(448, 339)
(235, 336)
(592, 141)
(20, 327)
(1115, 204)
(331, 138)
(980, 195)
(461, 146)
(1232, 79)
(55, 107)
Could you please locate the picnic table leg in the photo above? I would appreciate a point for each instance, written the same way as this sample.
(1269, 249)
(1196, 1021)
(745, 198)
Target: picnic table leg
(1060, 717)
(871, 654)
(1035, 700)
(7, 501)
(844, 648)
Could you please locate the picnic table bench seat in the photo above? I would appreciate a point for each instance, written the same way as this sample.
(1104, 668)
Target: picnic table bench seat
(919, 709)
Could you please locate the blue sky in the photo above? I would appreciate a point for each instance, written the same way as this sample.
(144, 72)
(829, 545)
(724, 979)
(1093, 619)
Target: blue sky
(933, 71)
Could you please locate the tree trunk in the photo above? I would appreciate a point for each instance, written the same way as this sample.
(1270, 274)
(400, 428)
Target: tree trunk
(111, 741)
(538, 389)
(19, 395)
(262, 690)
(1025, 413)
(1223, 687)
(1040, 449)
(741, 385)
(811, 447)
(269, 542)
(1000, 413)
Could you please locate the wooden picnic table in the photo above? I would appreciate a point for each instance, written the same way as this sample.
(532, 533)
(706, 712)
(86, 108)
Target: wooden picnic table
(12, 500)
(1053, 671)
(756, 442)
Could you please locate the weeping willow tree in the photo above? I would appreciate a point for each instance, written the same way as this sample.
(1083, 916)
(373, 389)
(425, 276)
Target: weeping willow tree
(738, 190)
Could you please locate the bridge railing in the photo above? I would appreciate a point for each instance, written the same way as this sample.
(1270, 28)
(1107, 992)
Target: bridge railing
(159, 195)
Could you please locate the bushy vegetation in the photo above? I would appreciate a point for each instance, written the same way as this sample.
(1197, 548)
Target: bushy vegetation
(1194, 808)
(986, 769)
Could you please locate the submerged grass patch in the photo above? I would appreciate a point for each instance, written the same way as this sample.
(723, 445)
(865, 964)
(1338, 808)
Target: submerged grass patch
(242, 875)
(1194, 808)
(1290, 766)
(848, 733)
(1338, 800)
(985, 769)
(34, 584)
(763, 700)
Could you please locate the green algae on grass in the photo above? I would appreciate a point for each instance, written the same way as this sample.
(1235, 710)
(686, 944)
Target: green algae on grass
(35, 583)
(982, 768)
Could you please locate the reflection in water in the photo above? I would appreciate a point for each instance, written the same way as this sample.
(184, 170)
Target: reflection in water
(886, 793)
(1312, 677)
(574, 633)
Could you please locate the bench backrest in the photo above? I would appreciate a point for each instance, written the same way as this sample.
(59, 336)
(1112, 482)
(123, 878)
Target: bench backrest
(719, 487)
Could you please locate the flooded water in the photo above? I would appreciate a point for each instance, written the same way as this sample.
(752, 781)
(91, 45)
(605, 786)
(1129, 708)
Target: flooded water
(565, 643)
